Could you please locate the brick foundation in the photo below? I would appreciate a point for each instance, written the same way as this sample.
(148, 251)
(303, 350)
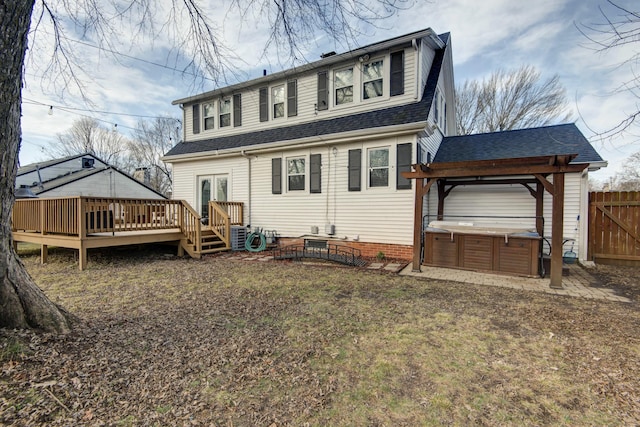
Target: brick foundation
(367, 249)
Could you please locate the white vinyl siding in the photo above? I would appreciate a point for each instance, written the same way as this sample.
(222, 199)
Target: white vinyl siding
(293, 214)
(185, 179)
(513, 201)
(307, 98)
(107, 183)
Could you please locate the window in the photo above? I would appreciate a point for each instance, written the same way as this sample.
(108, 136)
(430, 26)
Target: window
(396, 84)
(237, 110)
(277, 100)
(379, 167)
(292, 98)
(195, 110)
(372, 79)
(295, 174)
(225, 112)
(344, 86)
(208, 116)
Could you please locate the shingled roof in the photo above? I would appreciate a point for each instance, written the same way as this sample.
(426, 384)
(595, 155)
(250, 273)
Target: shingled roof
(540, 141)
(398, 115)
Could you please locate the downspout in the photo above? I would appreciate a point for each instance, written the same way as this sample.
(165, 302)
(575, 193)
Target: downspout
(418, 66)
(244, 154)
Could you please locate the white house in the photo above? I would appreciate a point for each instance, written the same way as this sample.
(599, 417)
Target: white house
(317, 152)
(81, 175)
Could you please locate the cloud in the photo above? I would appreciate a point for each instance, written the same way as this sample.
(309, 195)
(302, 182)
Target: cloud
(486, 36)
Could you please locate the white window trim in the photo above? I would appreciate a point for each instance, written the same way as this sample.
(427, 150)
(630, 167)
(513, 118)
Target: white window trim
(390, 162)
(212, 115)
(272, 103)
(386, 70)
(220, 113)
(305, 174)
(355, 84)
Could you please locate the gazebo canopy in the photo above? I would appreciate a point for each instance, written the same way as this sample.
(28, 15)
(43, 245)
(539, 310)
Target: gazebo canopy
(521, 170)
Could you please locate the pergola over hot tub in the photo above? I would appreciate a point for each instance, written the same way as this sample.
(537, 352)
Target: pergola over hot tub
(531, 172)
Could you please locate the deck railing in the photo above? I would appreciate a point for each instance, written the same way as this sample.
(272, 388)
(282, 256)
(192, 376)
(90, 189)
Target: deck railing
(75, 216)
(82, 216)
(191, 226)
(222, 215)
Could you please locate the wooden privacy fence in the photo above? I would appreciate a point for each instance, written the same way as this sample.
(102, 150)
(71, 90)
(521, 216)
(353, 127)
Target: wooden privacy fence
(614, 227)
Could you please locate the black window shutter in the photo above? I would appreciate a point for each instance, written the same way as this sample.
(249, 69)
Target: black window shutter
(292, 98)
(276, 176)
(403, 164)
(397, 73)
(196, 118)
(237, 110)
(315, 173)
(323, 91)
(264, 104)
(355, 164)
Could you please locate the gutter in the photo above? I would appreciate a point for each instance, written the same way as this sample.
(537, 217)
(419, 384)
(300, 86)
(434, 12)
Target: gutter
(313, 141)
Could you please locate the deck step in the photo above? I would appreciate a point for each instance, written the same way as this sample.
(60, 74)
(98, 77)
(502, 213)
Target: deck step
(213, 250)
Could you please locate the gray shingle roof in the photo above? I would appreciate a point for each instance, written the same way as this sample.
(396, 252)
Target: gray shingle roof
(403, 114)
(47, 163)
(541, 141)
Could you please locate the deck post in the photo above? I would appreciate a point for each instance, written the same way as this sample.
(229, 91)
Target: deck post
(557, 217)
(44, 252)
(82, 257)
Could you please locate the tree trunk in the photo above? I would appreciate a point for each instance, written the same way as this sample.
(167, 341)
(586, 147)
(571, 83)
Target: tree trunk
(22, 303)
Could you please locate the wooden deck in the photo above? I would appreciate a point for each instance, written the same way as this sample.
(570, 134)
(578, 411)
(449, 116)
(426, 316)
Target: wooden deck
(88, 222)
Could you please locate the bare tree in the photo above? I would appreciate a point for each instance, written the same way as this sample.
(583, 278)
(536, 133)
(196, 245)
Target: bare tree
(616, 30)
(508, 100)
(152, 139)
(87, 135)
(628, 179)
(22, 303)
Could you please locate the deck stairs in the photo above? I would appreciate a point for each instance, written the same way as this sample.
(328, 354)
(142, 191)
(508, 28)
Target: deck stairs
(209, 243)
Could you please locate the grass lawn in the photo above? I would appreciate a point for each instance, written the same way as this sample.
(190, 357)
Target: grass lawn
(162, 340)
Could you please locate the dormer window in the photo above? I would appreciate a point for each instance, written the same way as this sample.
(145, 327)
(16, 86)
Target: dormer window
(372, 79)
(343, 85)
(225, 112)
(209, 115)
(277, 100)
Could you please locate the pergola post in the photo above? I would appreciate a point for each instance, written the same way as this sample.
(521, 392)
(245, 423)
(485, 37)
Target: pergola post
(557, 228)
(417, 224)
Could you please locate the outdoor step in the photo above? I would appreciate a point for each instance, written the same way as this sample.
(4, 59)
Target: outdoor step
(213, 250)
(206, 245)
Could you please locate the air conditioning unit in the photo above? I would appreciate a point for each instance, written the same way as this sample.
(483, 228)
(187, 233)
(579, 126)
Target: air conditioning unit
(238, 237)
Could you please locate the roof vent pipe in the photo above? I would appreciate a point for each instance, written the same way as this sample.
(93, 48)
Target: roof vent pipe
(264, 72)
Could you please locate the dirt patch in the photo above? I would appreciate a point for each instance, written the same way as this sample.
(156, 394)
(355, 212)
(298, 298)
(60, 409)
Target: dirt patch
(171, 341)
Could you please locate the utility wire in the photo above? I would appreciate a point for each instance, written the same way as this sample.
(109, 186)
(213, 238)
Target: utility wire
(114, 52)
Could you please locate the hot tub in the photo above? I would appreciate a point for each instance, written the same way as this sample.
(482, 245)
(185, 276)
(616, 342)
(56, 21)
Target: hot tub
(509, 249)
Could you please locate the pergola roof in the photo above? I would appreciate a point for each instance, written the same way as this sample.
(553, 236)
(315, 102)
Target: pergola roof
(540, 141)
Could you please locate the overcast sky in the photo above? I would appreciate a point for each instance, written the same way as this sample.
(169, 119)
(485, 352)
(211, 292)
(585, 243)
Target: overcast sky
(485, 35)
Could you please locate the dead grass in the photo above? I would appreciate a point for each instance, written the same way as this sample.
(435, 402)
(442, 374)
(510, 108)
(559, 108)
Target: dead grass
(168, 341)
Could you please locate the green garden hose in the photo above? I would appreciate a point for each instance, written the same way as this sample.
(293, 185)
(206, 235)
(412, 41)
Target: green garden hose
(249, 243)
